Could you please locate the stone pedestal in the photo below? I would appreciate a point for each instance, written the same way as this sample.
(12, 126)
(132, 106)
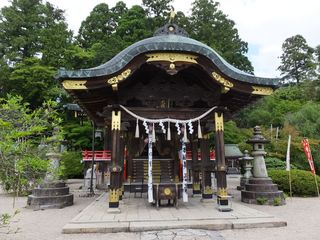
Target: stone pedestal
(50, 195)
(262, 191)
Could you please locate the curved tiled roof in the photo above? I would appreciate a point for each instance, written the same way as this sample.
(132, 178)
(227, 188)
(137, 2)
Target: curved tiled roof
(166, 42)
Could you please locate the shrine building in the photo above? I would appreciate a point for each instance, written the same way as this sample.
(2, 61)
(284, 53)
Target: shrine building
(158, 101)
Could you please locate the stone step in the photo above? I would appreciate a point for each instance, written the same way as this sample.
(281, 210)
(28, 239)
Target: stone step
(251, 197)
(53, 185)
(260, 181)
(261, 187)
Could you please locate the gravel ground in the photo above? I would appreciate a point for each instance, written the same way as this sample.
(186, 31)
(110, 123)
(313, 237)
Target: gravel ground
(302, 215)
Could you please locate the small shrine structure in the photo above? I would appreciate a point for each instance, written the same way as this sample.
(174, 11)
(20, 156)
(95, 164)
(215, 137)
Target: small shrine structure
(158, 100)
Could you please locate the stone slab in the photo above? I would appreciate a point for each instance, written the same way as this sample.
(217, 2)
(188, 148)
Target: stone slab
(138, 215)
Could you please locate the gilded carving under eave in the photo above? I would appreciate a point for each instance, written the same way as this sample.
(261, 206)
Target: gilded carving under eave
(218, 119)
(74, 84)
(262, 90)
(171, 57)
(116, 120)
(227, 84)
(116, 79)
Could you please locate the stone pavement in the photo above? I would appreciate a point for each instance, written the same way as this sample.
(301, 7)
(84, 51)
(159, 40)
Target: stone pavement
(137, 215)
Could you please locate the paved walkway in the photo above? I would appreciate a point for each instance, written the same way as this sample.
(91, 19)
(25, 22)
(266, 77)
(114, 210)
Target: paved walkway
(138, 215)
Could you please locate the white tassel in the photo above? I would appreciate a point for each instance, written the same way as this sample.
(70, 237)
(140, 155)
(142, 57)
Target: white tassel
(169, 132)
(185, 139)
(137, 130)
(153, 134)
(199, 130)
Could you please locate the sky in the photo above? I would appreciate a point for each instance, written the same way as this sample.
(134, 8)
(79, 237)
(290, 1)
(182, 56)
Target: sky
(264, 24)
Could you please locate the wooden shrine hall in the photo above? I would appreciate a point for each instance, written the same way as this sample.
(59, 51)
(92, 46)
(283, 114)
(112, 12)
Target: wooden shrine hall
(157, 100)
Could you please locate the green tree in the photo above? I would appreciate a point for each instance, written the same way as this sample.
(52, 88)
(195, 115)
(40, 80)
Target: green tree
(21, 130)
(97, 33)
(29, 28)
(133, 26)
(100, 24)
(157, 12)
(34, 81)
(212, 27)
(158, 8)
(297, 62)
(307, 120)
(34, 40)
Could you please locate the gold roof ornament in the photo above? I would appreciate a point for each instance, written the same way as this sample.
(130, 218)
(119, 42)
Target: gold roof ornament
(115, 80)
(172, 15)
(74, 84)
(265, 91)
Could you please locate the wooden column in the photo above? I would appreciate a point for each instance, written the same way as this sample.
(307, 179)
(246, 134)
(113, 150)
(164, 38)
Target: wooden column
(220, 157)
(207, 191)
(196, 189)
(115, 169)
(106, 143)
(121, 164)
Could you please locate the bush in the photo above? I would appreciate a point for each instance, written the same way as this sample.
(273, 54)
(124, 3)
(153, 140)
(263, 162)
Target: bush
(302, 182)
(262, 200)
(276, 163)
(71, 166)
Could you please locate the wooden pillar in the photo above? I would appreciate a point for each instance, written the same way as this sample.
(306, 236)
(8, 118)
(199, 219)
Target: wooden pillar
(115, 169)
(207, 191)
(195, 168)
(121, 164)
(220, 156)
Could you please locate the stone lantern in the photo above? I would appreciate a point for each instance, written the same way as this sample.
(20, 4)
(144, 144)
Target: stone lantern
(259, 165)
(246, 162)
(260, 188)
(52, 193)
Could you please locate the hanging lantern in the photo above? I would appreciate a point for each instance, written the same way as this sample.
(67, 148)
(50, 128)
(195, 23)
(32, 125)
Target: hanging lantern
(137, 129)
(199, 130)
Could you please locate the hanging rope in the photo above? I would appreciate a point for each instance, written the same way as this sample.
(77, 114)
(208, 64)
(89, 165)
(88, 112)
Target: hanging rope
(172, 120)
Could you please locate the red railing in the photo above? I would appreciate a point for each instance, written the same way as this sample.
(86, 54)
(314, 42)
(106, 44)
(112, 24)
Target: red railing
(212, 155)
(104, 155)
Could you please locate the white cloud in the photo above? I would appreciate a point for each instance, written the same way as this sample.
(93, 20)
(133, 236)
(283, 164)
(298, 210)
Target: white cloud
(262, 23)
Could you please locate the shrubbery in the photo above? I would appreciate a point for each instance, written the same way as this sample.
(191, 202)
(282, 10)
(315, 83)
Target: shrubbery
(276, 163)
(71, 166)
(302, 182)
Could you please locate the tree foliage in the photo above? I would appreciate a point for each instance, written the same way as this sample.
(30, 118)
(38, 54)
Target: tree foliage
(34, 40)
(212, 27)
(21, 131)
(297, 61)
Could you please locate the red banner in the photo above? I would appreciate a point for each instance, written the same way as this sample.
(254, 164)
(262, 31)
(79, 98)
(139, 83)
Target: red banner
(307, 151)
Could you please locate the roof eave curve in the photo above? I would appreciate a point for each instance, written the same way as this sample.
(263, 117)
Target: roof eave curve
(168, 43)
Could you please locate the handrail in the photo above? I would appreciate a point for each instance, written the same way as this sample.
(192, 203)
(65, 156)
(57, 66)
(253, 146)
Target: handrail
(104, 155)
